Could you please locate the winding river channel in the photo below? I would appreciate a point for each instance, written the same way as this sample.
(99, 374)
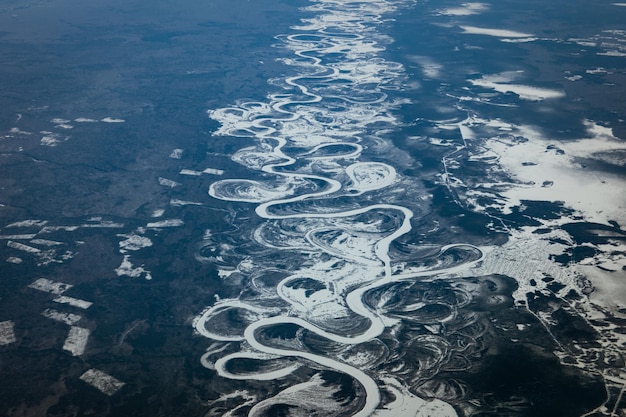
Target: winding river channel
(324, 190)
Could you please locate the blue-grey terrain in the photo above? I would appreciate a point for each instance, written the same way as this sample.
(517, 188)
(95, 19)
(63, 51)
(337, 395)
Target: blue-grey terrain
(387, 208)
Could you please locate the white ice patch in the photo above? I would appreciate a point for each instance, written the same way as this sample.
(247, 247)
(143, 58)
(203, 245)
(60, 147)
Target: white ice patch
(7, 333)
(105, 224)
(519, 40)
(525, 92)
(67, 318)
(190, 172)
(165, 223)
(104, 382)
(112, 120)
(612, 53)
(28, 223)
(466, 9)
(134, 242)
(168, 183)
(50, 229)
(52, 140)
(58, 121)
(46, 242)
(608, 288)
(502, 83)
(176, 154)
(18, 237)
(157, 213)
(499, 33)
(597, 70)
(53, 287)
(213, 171)
(180, 203)
(74, 302)
(14, 260)
(76, 340)
(85, 120)
(126, 268)
(22, 247)
(225, 274)
(598, 195)
(16, 130)
(430, 68)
